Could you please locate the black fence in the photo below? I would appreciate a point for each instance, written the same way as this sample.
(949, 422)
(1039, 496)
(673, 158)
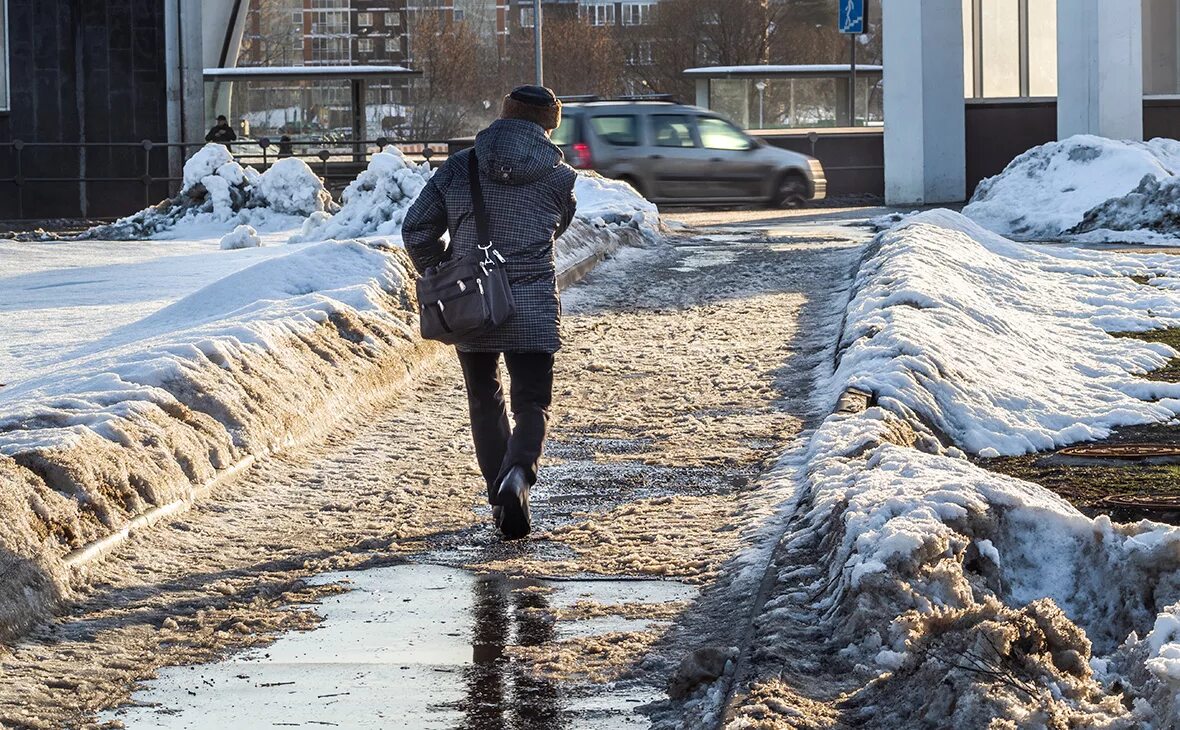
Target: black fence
(97, 180)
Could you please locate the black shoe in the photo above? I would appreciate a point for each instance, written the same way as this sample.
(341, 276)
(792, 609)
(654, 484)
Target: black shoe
(514, 504)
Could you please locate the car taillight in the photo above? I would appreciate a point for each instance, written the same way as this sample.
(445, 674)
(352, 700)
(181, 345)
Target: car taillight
(582, 159)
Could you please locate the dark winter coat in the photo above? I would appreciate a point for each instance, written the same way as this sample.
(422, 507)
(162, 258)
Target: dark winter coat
(221, 133)
(529, 194)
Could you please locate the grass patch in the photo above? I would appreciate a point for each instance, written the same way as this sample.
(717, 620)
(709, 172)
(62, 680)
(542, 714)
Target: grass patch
(1169, 373)
(1085, 486)
(1141, 279)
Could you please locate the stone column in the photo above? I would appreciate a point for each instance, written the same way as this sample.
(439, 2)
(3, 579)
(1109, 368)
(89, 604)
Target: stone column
(1100, 69)
(925, 136)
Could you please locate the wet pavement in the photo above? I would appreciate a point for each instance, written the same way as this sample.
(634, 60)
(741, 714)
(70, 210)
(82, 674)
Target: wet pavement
(412, 646)
(689, 367)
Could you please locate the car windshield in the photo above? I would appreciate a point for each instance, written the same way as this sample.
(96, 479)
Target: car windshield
(621, 130)
(718, 134)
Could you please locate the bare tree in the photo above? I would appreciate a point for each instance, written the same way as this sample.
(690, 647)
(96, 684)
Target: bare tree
(270, 37)
(447, 100)
(579, 58)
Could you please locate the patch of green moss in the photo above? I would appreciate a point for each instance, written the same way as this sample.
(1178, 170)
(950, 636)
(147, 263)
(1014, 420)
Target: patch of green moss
(1169, 373)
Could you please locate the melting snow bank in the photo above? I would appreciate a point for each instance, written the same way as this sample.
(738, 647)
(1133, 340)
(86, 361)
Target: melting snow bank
(1002, 348)
(166, 406)
(140, 423)
(218, 194)
(909, 587)
(1057, 188)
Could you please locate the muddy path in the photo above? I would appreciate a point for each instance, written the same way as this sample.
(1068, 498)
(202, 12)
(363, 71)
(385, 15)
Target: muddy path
(687, 369)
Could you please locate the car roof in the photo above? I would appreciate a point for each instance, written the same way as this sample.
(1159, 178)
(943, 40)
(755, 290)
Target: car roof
(633, 106)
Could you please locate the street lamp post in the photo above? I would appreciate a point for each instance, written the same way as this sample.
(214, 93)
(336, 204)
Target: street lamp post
(761, 86)
(537, 42)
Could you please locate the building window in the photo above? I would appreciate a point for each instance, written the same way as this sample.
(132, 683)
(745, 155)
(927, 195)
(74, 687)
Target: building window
(528, 17)
(364, 19)
(330, 51)
(393, 20)
(457, 15)
(1161, 51)
(364, 45)
(637, 13)
(1010, 48)
(639, 54)
(598, 13)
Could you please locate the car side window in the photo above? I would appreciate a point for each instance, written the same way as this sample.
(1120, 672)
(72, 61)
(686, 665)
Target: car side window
(619, 130)
(566, 132)
(718, 134)
(672, 130)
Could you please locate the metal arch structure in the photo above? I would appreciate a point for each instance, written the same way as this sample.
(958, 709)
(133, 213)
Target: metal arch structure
(199, 34)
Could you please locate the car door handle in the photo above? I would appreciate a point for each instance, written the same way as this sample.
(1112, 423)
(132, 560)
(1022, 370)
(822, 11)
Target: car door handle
(717, 159)
(655, 157)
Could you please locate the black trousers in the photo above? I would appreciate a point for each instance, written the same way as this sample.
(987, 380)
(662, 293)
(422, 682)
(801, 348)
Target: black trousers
(499, 447)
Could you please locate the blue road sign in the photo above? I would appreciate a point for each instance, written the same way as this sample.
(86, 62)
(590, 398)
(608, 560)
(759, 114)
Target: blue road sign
(852, 16)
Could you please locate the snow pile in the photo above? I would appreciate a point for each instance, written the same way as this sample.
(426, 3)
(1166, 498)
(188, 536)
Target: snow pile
(919, 589)
(1002, 348)
(217, 193)
(606, 202)
(159, 409)
(241, 237)
(375, 203)
(1153, 206)
(1048, 190)
(610, 212)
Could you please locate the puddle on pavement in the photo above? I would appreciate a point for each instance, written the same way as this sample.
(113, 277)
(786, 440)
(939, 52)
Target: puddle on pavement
(411, 646)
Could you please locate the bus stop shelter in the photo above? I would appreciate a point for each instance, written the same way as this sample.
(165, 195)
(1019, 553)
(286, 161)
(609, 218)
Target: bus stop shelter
(358, 78)
(733, 89)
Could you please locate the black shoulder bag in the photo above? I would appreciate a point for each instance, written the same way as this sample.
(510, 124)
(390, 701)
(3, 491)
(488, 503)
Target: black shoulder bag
(463, 298)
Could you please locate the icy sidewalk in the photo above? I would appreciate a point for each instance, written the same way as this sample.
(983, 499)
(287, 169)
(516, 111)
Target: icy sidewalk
(909, 587)
(169, 374)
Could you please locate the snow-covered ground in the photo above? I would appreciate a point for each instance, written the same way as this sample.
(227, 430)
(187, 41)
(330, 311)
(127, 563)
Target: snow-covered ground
(138, 371)
(1083, 187)
(943, 592)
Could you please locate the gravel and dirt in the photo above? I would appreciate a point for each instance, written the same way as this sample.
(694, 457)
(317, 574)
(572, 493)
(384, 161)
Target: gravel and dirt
(686, 372)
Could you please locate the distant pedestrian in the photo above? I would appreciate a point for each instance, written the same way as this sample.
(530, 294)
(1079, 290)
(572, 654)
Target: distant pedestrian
(528, 193)
(286, 149)
(221, 132)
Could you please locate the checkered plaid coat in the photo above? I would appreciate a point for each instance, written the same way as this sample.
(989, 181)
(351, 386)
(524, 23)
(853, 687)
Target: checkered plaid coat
(528, 191)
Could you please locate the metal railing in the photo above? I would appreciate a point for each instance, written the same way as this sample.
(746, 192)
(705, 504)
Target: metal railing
(25, 165)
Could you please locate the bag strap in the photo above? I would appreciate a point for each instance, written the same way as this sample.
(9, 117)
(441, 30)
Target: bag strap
(482, 227)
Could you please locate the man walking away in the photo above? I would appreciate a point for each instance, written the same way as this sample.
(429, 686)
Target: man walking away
(528, 194)
(221, 132)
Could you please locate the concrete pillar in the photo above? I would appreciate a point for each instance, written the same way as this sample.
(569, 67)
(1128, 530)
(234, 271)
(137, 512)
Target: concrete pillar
(925, 135)
(1100, 69)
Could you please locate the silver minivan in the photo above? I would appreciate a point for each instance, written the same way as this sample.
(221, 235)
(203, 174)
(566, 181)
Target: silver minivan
(673, 153)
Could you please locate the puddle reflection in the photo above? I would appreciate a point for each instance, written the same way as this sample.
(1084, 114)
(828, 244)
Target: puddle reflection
(499, 693)
(410, 646)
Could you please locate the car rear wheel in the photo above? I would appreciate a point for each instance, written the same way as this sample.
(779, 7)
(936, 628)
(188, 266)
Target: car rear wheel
(792, 191)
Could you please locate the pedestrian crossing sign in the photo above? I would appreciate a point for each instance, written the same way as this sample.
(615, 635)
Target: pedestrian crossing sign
(852, 16)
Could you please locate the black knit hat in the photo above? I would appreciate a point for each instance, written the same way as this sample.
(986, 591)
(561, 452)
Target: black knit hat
(535, 104)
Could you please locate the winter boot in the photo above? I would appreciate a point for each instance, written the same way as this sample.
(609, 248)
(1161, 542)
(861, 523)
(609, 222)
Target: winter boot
(514, 504)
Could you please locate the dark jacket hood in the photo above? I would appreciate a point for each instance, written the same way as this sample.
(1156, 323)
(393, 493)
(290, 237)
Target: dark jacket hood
(515, 152)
